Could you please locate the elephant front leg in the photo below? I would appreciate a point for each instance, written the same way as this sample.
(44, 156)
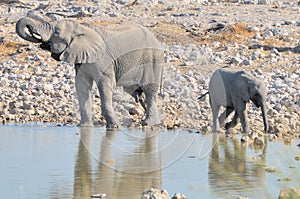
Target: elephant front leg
(244, 120)
(108, 112)
(83, 84)
(152, 117)
(241, 112)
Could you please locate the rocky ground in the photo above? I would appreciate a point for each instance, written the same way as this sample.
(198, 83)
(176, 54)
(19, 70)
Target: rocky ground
(198, 37)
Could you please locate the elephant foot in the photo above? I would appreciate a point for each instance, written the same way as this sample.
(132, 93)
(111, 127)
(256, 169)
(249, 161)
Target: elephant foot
(230, 131)
(112, 127)
(99, 123)
(246, 131)
(216, 130)
(85, 124)
(112, 124)
(229, 125)
(150, 122)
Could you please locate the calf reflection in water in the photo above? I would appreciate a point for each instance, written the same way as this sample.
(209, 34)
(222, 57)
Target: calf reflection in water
(126, 177)
(231, 173)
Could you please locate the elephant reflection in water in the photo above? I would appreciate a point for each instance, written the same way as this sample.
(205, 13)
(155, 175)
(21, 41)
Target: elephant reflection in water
(139, 170)
(229, 171)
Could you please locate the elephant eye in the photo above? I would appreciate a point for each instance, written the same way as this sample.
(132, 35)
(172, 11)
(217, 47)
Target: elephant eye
(56, 31)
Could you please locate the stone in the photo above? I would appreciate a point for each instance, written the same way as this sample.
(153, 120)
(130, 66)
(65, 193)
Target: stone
(267, 34)
(289, 193)
(114, 14)
(272, 137)
(272, 170)
(27, 106)
(258, 141)
(288, 140)
(274, 52)
(247, 139)
(264, 2)
(245, 62)
(179, 196)
(101, 195)
(155, 194)
(12, 105)
(133, 110)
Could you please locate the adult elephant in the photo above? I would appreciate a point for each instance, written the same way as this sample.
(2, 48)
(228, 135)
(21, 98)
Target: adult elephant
(232, 89)
(125, 55)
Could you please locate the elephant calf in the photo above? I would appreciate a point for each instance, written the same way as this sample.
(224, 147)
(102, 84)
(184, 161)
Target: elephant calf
(232, 89)
(126, 55)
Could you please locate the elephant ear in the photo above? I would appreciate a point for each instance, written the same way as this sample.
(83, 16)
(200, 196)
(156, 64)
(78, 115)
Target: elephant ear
(240, 86)
(86, 46)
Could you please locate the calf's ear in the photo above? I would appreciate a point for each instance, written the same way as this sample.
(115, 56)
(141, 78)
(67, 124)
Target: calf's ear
(240, 86)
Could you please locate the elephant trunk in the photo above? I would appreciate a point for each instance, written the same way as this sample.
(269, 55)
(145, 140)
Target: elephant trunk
(33, 30)
(264, 115)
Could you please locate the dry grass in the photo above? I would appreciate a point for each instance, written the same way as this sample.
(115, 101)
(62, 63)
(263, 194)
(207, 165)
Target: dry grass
(174, 34)
(8, 48)
(274, 42)
(232, 33)
(171, 34)
(103, 23)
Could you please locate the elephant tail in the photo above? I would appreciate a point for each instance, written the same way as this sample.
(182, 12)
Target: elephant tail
(161, 83)
(201, 96)
(161, 91)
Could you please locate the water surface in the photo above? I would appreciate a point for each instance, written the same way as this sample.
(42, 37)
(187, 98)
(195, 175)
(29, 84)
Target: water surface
(69, 162)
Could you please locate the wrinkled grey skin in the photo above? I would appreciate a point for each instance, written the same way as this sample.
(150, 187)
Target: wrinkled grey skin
(125, 55)
(232, 89)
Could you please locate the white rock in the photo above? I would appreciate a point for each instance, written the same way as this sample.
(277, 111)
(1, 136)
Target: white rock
(267, 34)
(245, 62)
(155, 194)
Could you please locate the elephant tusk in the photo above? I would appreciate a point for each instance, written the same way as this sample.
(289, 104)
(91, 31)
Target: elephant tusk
(29, 31)
(37, 36)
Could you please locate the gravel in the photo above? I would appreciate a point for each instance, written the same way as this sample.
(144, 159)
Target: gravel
(35, 88)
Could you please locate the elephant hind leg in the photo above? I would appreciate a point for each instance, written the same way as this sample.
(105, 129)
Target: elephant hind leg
(216, 125)
(142, 101)
(137, 94)
(139, 97)
(240, 107)
(233, 122)
(224, 115)
(152, 117)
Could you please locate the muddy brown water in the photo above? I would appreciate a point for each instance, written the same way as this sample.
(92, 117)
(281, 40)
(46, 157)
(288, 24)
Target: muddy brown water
(40, 161)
